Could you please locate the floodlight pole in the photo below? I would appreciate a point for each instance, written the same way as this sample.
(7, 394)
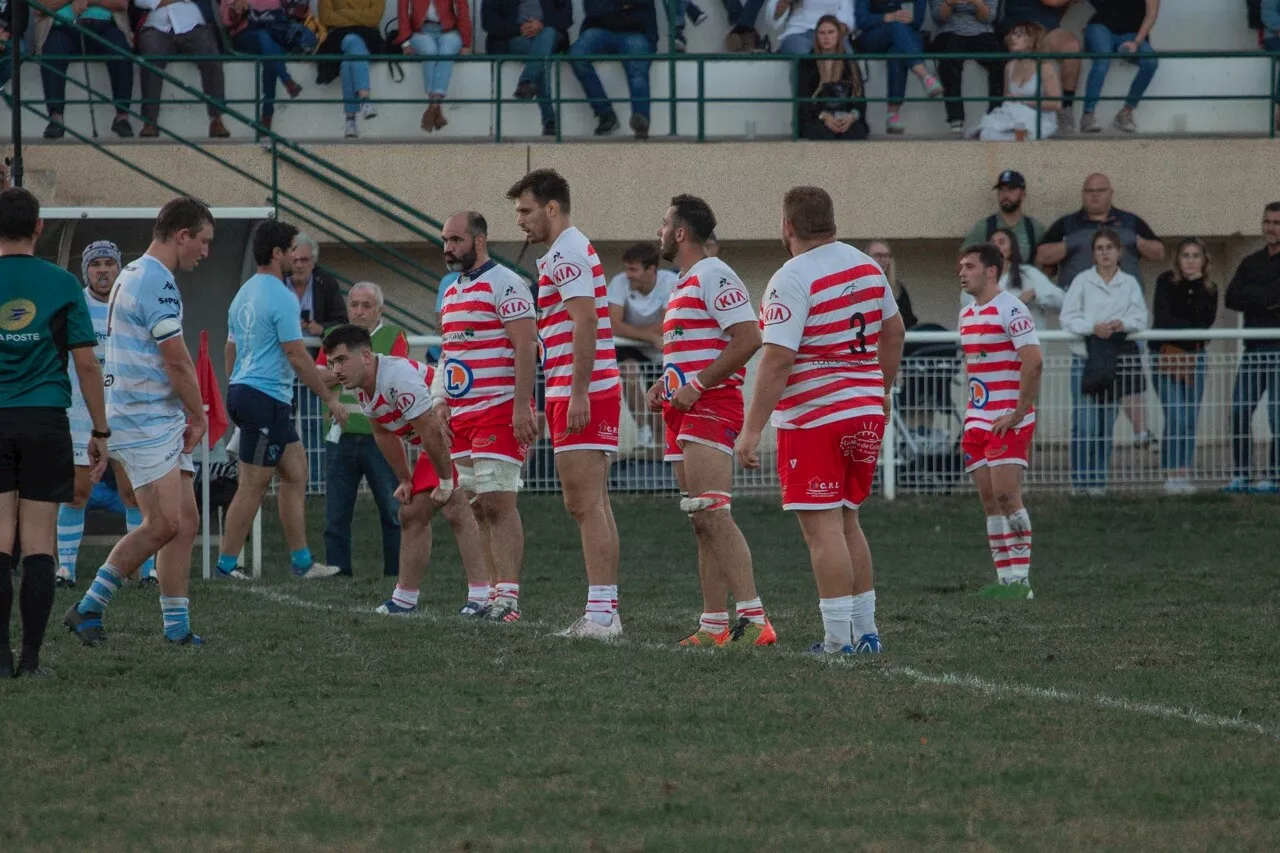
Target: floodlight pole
(15, 56)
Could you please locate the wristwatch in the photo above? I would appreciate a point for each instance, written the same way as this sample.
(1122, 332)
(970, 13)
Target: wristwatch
(104, 434)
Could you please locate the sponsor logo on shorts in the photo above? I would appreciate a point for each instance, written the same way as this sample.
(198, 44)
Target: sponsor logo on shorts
(994, 452)
(775, 312)
(731, 298)
(486, 442)
(458, 378)
(672, 380)
(820, 488)
(1021, 326)
(862, 446)
(979, 395)
(793, 464)
(608, 431)
(514, 307)
(17, 314)
(564, 272)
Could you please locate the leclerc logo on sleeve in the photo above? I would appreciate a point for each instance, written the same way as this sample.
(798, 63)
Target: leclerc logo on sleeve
(565, 271)
(775, 312)
(1021, 326)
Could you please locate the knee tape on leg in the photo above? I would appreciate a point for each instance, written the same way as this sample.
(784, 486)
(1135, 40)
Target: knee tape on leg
(496, 475)
(705, 502)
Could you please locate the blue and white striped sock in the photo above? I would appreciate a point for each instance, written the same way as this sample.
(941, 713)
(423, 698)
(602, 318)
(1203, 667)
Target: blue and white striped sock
(101, 591)
(70, 532)
(132, 521)
(177, 616)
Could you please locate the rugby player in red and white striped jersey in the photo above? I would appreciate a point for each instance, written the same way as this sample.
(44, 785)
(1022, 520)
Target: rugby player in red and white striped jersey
(832, 344)
(584, 395)
(709, 332)
(1003, 363)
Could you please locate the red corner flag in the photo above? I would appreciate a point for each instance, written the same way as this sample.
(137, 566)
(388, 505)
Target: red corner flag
(209, 392)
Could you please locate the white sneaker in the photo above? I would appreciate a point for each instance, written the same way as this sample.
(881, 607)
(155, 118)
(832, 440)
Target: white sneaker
(318, 570)
(588, 627)
(1178, 486)
(350, 130)
(368, 110)
(235, 574)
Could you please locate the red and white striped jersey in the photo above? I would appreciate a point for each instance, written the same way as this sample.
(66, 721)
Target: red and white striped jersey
(571, 269)
(477, 358)
(401, 392)
(991, 336)
(708, 300)
(828, 305)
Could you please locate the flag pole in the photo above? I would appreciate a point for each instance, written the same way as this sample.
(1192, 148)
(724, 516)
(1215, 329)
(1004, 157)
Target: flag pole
(204, 495)
(257, 545)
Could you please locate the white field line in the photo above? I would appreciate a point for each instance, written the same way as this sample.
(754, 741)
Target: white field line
(969, 683)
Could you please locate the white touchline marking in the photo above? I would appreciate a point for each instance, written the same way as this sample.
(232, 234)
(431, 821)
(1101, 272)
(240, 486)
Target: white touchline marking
(971, 683)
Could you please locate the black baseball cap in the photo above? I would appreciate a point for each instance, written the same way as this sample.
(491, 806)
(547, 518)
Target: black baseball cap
(1011, 179)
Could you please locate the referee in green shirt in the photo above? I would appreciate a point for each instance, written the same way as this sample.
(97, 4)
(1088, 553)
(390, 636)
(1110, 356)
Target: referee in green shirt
(43, 319)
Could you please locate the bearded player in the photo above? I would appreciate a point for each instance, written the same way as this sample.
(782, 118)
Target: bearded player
(709, 333)
(486, 378)
(1003, 362)
(832, 345)
(584, 396)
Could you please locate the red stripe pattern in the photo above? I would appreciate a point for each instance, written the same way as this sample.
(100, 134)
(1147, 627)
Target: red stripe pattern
(707, 301)
(571, 269)
(402, 392)
(991, 336)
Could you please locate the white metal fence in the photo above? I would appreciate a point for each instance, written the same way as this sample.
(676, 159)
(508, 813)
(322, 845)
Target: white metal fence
(1214, 422)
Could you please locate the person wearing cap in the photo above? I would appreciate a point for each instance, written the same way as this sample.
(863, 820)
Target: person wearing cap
(1011, 192)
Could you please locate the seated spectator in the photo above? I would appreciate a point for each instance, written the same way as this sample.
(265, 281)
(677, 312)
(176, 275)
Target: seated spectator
(798, 21)
(743, 36)
(883, 255)
(1119, 26)
(628, 28)
(1270, 12)
(1186, 298)
(1024, 281)
(1021, 116)
(354, 30)
(99, 16)
(842, 114)
(179, 27)
(1049, 14)
(893, 26)
(1011, 192)
(534, 28)
(637, 303)
(1103, 302)
(7, 43)
(266, 28)
(685, 9)
(434, 28)
(966, 26)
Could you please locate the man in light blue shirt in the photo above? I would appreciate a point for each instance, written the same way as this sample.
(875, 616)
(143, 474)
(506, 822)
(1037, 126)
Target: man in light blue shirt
(264, 353)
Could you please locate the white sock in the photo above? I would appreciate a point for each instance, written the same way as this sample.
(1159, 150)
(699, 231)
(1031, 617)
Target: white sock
(837, 621)
(405, 597)
(600, 604)
(714, 623)
(479, 592)
(1019, 526)
(864, 613)
(752, 610)
(507, 589)
(998, 539)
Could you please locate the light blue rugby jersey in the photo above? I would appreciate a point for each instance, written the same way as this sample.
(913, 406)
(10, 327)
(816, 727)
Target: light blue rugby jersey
(78, 414)
(142, 407)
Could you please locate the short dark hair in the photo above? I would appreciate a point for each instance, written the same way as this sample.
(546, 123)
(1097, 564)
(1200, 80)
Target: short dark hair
(695, 214)
(1108, 234)
(350, 335)
(1274, 207)
(545, 185)
(477, 225)
(810, 211)
(644, 254)
(270, 235)
(19, 213)
(183, 213)
(988, 255)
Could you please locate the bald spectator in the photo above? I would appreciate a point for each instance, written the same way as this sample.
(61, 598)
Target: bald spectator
(1011, 192)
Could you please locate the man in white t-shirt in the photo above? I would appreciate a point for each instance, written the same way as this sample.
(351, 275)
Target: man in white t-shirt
(637, 301)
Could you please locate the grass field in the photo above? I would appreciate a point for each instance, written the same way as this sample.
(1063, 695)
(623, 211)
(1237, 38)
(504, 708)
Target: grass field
(1132, 705)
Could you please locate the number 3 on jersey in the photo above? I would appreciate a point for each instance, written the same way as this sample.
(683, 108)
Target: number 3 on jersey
(858, 325)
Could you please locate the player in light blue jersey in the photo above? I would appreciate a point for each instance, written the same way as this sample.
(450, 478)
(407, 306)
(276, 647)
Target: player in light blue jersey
(99, 267)
(264, 352)
(156, 418)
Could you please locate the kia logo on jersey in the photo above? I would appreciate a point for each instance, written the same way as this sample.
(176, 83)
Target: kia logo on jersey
(405, 402)
(514, 307)
(775, 312)
(457, 378)
(1021, 326)
(731, 298)
(563, 272)
(672, 380)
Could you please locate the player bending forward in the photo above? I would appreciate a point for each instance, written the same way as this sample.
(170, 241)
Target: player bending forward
(709, 332)
(395, 395)
(832, 345)
(1003, 362)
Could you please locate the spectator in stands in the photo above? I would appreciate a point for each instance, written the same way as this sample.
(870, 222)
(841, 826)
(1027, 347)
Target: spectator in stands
(743, 36)
(1011, 193)
(684, 9)
(1270, 14)
(637, 303)
(883, 255)
(1186, 298)
(536, 28)
(1255, 292)
(355, 31)
(434, 28)
(179, 27)
(1024, 281)
(1102, 302)
(893, 26)
(797, 22)
(1032, 93)
(833, 76)
(1049, 14)
(966, 26)
(265, 27)
(1119, 26)
(8, 42)
(627, 28)
(107, 19)
(322, 308)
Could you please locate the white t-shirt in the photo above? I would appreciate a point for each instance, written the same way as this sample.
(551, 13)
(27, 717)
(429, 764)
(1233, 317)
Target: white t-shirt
(643, 309)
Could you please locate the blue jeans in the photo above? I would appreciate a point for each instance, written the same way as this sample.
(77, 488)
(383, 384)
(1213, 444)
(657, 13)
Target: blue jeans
(258, 40)
(1259, 374)
(743, 14)
(1270, 44)
(895, 37)
(797, 44)
(1181, 402)
(1093, 423)
(433, 41)
(1099, 39)
(595, 42)
(355, 73)
(537, 71)
(310, 409)
(347, 460)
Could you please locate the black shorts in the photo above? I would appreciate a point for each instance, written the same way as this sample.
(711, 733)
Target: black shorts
(36, 458)
(266, 425)
(625, 353)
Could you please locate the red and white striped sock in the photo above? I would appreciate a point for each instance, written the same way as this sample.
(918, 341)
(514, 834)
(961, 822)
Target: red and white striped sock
(405, 597)
(600, 606)
(998, 539)
(479, 593)
(714, 624)
(508, 589)
(752, 610)
(1019, 539)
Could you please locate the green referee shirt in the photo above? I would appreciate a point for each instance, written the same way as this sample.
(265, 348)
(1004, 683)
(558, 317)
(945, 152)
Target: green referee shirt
(43, 316)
